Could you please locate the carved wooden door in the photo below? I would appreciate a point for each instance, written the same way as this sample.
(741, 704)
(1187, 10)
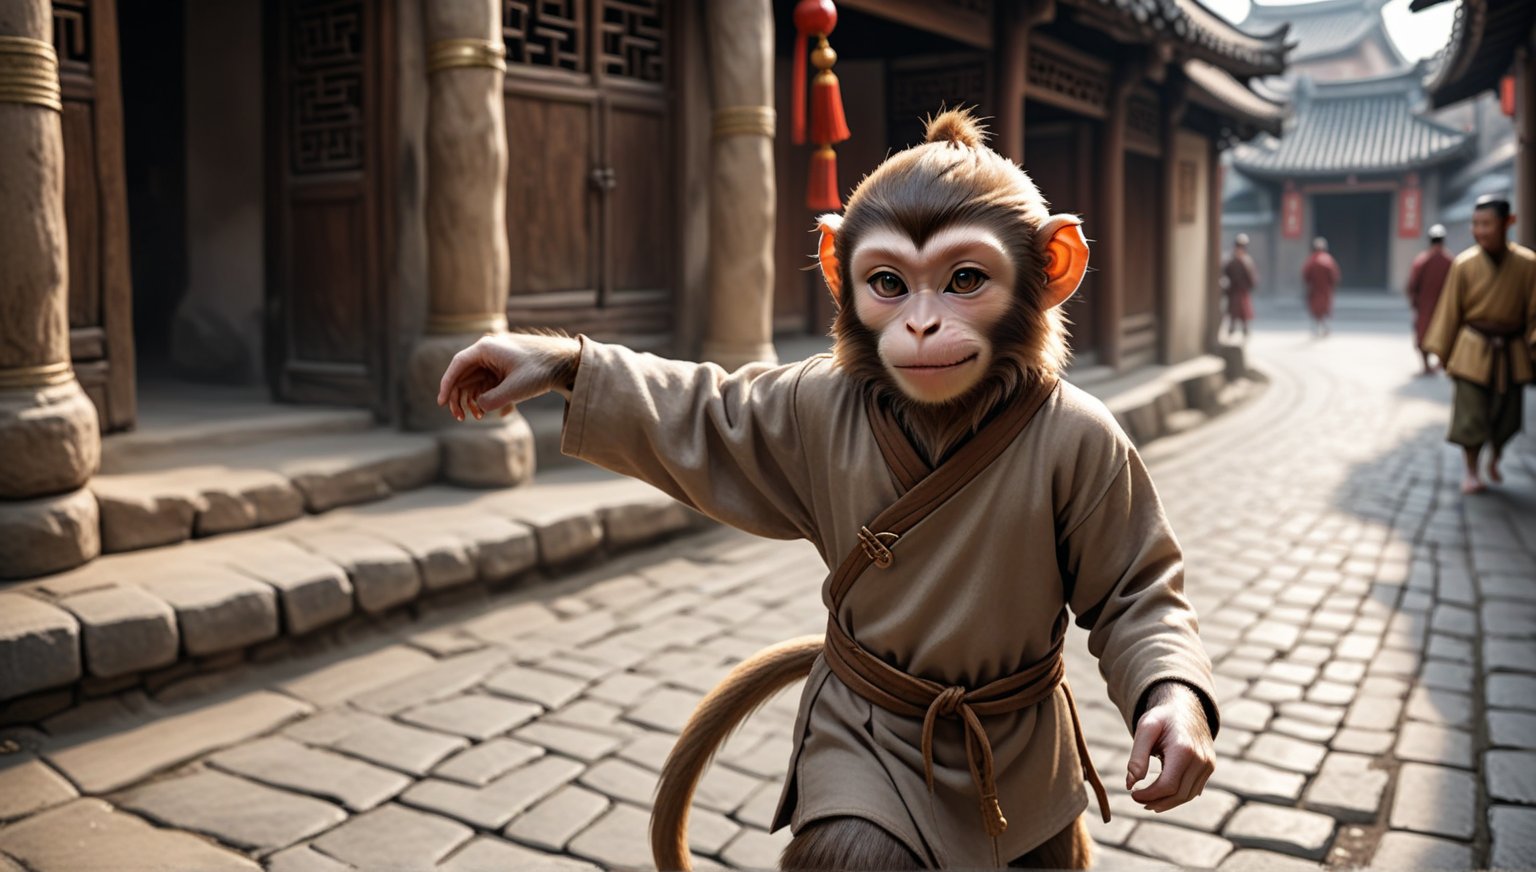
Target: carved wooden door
(590, 206)
(96, 207)
(1144, 215)
(328, 104)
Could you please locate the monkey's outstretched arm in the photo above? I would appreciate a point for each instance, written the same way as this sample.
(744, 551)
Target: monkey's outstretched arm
(727, 444)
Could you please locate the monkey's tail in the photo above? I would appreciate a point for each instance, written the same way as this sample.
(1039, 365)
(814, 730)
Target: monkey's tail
(753, 682)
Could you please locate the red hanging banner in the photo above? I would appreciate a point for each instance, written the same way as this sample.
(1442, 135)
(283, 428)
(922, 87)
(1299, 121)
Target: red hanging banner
(1291, 209)
(1410, 212)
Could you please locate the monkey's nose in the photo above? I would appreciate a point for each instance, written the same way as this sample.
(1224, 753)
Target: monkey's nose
(923, 326)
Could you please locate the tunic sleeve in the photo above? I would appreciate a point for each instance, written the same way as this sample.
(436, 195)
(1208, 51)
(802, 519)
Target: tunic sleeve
(1447, 321)
(726, 444)
(1126, 576)
(1415, 278)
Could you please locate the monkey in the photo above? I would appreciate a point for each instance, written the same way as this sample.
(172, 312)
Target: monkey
(935, 444)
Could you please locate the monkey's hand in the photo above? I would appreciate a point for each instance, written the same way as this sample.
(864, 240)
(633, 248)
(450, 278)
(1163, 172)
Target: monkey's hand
(1173, 729)
(499, 371)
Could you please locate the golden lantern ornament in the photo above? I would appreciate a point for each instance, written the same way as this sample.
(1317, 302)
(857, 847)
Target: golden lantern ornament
(817, 18)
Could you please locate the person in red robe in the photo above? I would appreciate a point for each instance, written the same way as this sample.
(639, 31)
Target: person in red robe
(1321, 274)
(1425, 281)
(1239, 276)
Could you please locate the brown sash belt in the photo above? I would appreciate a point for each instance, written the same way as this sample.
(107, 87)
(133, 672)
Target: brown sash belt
(1498, 336)
(908, 695)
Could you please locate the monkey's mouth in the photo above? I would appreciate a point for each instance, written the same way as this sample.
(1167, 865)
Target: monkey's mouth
(936, 367)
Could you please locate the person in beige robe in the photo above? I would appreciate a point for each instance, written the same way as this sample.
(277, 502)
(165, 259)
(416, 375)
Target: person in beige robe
(1063, 521)
(1484, 330)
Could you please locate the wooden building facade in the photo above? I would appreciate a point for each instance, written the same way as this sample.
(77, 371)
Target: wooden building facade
(246, 181)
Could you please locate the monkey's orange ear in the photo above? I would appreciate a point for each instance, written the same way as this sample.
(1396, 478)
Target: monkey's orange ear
(826, 253)
(1066, 257)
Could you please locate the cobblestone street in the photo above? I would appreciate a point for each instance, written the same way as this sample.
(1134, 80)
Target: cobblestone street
(1374, 635)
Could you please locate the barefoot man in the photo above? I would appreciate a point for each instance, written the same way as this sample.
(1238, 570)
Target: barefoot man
(1485, 330)
(1425, 281)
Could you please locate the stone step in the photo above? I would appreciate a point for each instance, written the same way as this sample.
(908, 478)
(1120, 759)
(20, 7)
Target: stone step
(151, 618)
(163, 496)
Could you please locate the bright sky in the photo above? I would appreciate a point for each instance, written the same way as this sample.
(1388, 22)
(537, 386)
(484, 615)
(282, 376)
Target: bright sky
(1417, 34)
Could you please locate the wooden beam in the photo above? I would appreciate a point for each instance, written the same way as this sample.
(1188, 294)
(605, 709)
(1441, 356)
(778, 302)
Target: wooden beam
(971, 28)
(1525, 125)
(1174, 101)
(1014, 23)
(1112, 223)
(1213, 255)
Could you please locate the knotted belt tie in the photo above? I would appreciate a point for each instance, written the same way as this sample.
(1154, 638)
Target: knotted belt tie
(1498, 337)
(908, 695)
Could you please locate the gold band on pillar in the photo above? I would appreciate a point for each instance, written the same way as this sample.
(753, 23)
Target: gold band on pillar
(744, 121)
(29, 72)
(40, 376)
(439, 325)
(448, 54)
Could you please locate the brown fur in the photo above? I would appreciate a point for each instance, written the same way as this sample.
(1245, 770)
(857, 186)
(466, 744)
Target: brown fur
(953, 178)
(751, 683)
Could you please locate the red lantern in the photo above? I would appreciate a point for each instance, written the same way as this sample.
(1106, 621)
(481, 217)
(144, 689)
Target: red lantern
(1507, 95)
(817, 18)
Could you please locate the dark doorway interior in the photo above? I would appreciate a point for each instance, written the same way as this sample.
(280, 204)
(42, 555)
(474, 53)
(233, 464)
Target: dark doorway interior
(155, 157)
(1356, 227)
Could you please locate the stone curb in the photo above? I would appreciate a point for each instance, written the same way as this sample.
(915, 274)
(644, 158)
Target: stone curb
(1184, 396)
(155, 619)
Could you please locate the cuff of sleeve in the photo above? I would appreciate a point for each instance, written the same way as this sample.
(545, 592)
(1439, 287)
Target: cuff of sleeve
(573, 429)
(1202, 689)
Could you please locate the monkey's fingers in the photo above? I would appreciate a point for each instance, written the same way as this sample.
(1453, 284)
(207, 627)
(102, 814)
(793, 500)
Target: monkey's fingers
(1175, 768)
(1148, 732)
(463, 365)
(1192, 772)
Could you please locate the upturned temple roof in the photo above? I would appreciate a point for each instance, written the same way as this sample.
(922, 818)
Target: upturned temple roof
(1200, 32)
(1321, 29)
(1361, 126)
(1483, 41)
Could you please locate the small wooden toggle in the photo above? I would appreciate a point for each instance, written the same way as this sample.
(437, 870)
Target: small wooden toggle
(877, 546)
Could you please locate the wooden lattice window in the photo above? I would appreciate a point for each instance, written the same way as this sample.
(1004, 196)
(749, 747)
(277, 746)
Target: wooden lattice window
(326, 94)
(546, 33)
(634, 40)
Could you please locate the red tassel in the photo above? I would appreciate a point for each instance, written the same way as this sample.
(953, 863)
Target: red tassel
(821, 189)
(797, 92)
(828, 124)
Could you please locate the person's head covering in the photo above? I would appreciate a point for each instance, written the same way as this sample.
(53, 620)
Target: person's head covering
(1319, 244)
(1437, 233)
(1241, 239)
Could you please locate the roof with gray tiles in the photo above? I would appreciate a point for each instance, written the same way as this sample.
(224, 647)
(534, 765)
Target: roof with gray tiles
(1320, 29)
(1483, 41)
(1200, 32)
(1361, 126)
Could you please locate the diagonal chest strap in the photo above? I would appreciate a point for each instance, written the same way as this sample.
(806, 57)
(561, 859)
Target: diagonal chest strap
(912, 696)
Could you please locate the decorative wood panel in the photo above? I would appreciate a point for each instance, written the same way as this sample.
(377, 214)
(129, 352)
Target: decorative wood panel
(915, 92)
(591, 224)
(552, 214)
(546, 33)
(1057, 76)
(96, 207)
(329, 96)
(634, 39)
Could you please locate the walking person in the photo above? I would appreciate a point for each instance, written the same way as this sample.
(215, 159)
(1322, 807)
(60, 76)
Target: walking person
(1484, 329)
(1425, 281)
(1239, 276)
(1321, 275)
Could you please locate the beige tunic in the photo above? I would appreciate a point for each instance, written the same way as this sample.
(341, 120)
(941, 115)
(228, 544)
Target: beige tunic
(1066, 517)
(1481, 292)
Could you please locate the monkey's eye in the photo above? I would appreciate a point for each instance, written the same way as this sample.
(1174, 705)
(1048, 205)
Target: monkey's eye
(966, 281)
(887, 284)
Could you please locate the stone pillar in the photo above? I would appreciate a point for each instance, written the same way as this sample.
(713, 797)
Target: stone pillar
(49, 439)
(1213, 253)
(466, 223)
(741, 189)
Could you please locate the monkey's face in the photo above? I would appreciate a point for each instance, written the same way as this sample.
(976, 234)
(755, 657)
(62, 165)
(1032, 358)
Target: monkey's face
(934, 307)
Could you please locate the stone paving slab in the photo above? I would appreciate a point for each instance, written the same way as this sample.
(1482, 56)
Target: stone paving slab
(284, 763)
(407, 749)
(392, 836)
(123, 757)
(28, 785)
(234, 811)
(88, 834)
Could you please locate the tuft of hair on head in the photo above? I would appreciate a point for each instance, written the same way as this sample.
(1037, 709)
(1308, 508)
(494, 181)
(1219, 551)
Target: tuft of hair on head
(957, 127)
